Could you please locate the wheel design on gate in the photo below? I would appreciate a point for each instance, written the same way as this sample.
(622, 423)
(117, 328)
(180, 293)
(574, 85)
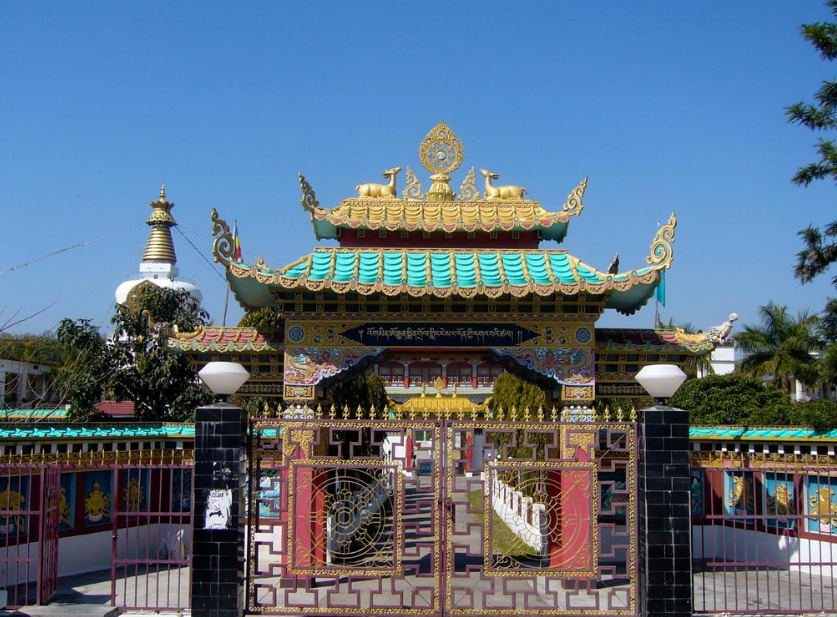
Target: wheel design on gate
(346, 517)
(549, 508)
(360, 512)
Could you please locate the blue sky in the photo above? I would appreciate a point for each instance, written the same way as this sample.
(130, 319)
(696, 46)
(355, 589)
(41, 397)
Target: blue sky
(666, 106)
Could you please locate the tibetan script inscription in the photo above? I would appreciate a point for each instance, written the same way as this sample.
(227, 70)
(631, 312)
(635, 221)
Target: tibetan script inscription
(442, 334)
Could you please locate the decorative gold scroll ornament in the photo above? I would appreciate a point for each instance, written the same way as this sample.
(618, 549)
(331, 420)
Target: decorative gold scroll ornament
(575, 204)
(309, 202)
(661, 251)
(413, 188)
(441, 153)
(309, 199)
(223, 248)
(468, 191)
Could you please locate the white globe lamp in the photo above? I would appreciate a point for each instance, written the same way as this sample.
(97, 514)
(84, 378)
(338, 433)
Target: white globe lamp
(223, 378)
(661, 380)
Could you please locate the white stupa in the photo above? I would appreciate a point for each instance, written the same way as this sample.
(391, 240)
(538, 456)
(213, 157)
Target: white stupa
(159, 261)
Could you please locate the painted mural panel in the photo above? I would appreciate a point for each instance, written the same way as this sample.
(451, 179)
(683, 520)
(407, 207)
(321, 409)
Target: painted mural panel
(697, 493)
(821, 505)
(67, 507)
(778, 495)
(739, 493)
(15, 497)
(133, 494)
(181, 490)
(98, 494)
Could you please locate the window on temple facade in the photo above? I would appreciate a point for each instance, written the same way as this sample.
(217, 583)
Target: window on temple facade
(424, 373)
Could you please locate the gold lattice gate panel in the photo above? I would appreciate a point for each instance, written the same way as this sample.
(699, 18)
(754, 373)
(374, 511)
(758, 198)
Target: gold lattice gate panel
(442, 517)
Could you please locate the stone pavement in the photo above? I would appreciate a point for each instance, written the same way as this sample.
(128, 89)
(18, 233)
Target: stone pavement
(89, 595)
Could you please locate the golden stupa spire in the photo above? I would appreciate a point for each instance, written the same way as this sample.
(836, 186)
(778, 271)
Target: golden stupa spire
(160, 247)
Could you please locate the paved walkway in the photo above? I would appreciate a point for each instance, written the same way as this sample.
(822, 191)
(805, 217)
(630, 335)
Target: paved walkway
(89, 595)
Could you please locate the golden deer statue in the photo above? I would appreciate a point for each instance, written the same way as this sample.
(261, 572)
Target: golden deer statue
(373, 189)
(500, 192)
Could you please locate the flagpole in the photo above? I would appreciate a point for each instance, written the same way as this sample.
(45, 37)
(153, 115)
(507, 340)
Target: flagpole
(226, 304)
(237, 256)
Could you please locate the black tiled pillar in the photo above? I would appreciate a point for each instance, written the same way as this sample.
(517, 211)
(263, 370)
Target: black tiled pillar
(218, 535)
(665, 531)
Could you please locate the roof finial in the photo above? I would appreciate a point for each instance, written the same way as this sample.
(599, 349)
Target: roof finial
(160, 247)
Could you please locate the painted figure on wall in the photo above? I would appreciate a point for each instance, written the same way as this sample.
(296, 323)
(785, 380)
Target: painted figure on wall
(697, 492)
(740, 493)
(12, 500)
(134, 495)
(97, 498)
(779, 499)
(66, 511)
(823, 509)
(182, 490)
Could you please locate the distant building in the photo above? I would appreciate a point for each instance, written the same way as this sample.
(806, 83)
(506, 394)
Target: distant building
(22, 383)
(722, 360)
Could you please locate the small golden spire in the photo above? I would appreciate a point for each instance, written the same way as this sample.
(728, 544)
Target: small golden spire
(160, 247)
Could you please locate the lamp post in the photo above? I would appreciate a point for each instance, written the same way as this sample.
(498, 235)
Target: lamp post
(665, 538)
(219, 475)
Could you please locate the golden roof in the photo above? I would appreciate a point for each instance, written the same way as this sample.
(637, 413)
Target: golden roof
(440, 404)
(384, 207)
(447, 216)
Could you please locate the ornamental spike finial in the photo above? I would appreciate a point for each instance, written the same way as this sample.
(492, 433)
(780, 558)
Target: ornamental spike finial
(163, 192)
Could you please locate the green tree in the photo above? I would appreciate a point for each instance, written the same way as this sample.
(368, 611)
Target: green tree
(136, 364)
(820, 244)
(515, 393)
(738, 400)
(512, 391)
(780, 347)
(86, 372)
(820, 415)
(733, 399)
(34, 348)
(162, 384)
(264, 318)
(359, 392)
(822, 114)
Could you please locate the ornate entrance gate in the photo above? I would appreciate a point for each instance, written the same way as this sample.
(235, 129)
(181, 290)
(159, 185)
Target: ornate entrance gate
(442, 517)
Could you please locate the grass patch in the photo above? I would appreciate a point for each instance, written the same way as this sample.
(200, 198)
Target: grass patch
(505, 541)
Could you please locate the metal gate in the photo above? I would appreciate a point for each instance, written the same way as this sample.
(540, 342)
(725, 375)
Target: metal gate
(152, 533)
(50, 520)
(29, 519)
(442, 517)
(764, 531)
